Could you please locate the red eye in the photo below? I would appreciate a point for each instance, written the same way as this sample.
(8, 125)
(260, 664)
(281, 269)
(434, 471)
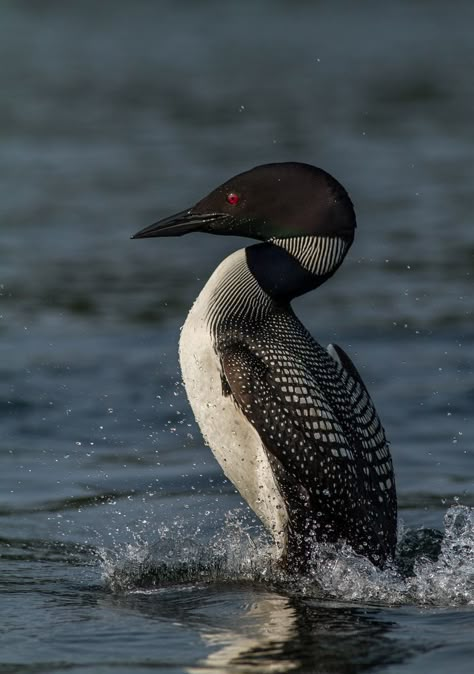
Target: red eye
(233, 198)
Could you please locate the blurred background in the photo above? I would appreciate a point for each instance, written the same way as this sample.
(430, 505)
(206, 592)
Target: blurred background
(115, 114)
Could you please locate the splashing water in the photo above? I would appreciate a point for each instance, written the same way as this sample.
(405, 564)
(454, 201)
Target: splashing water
(430, 569)
(449, 579)
(232, 555)
(442, 573)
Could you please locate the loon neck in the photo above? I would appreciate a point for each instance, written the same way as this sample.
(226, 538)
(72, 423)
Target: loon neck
(286, 268)
(261, 279)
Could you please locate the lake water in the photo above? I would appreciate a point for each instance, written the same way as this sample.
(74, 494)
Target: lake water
(122, 546)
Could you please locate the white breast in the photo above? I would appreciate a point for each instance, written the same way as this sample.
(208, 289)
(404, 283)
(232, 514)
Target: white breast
(233, 440)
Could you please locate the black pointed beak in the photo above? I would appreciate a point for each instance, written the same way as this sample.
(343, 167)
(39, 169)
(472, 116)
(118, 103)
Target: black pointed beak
(183, 223)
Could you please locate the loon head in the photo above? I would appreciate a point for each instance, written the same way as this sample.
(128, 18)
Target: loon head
(302, 214)
(272, 201)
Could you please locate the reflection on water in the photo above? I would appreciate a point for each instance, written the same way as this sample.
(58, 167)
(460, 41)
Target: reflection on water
(252, 630)
(269, 626)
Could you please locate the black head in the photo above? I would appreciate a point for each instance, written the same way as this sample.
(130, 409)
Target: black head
(270, 201)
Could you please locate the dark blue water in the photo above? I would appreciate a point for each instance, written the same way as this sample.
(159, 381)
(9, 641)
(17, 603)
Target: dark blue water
(122, 547)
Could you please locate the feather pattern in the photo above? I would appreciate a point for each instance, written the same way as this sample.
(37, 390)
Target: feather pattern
(317, 254)
(315, 426)
(320, 428)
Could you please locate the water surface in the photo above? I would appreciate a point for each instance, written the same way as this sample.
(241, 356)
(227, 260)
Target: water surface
(122, 546)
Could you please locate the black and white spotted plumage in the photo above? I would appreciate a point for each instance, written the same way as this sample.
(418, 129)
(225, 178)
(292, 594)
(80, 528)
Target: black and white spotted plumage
(322, 434)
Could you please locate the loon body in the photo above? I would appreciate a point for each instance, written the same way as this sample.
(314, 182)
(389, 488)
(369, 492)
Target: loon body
(291, 423)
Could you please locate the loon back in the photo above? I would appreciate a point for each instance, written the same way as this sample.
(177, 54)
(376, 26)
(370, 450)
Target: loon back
(291, 424)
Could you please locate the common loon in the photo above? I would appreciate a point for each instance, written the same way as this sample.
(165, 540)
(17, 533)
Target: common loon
(291, 423)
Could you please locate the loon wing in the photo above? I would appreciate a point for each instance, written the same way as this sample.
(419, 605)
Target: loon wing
(368, 426)
(325, 444)
(343, 360)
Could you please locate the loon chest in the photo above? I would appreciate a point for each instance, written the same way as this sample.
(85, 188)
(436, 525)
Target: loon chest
(233, 440)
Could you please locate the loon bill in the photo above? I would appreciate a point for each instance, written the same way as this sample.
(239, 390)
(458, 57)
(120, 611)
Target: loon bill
(291, 423)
